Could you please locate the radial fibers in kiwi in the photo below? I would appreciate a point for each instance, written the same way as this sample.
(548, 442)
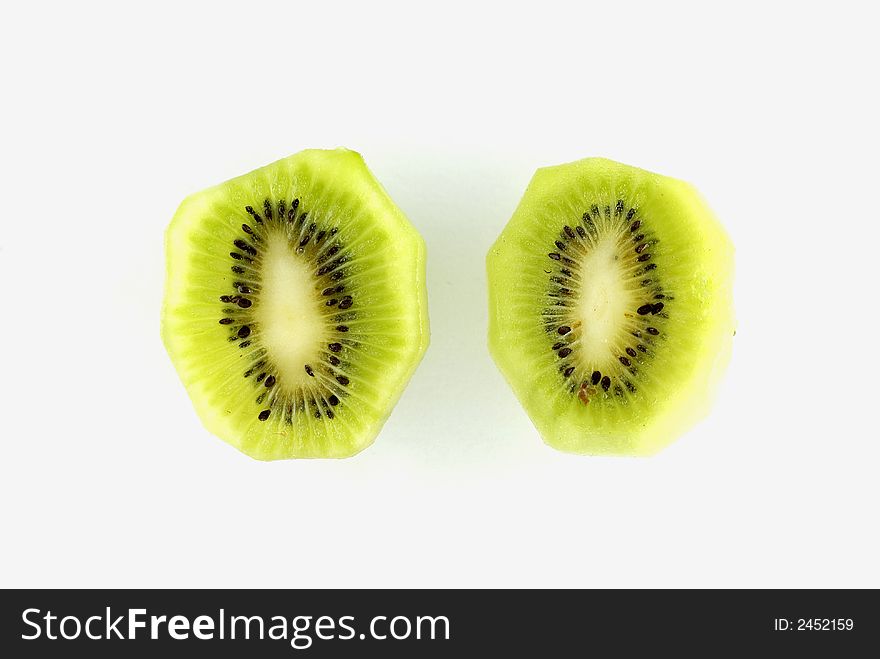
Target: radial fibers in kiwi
(610, 306)
(295, 306)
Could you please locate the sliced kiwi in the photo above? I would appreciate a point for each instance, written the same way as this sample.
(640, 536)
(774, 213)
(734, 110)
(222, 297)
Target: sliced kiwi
(295, 306)
(610, 306)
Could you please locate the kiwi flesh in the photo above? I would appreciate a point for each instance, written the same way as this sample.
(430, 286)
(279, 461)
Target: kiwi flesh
(610, 306)
(295, 307)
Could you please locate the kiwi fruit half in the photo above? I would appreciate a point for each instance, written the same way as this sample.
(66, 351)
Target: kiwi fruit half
(610, 306)
(295, 307)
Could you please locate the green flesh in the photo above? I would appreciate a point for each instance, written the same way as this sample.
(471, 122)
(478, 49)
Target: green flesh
(610, 306)
(295, 307)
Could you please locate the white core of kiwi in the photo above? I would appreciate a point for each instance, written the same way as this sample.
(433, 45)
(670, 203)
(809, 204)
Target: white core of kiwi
(292, 327)
(605, 300)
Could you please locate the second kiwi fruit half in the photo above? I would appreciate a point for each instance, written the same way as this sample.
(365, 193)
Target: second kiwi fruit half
(610, 306)
(295, 306)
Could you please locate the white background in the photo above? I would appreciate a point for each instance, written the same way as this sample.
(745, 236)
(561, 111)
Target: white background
(111, 115)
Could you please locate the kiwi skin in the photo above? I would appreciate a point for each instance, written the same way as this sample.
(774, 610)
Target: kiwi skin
(208, 222)
(699, 263)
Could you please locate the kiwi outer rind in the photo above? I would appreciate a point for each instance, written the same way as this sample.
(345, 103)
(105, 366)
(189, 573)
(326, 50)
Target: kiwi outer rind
(346, 171)
(688, 395)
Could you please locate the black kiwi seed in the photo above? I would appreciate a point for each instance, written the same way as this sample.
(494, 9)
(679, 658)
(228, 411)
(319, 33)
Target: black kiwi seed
(641, 248)
(250, 249)
(639, 238)
(558, 345)
(237, 269)
(225, 298)
(631, 352)
(618, 211)
(341, 379)
(569, 371)
(606, 383)
(650, 266)
(342, 328)
(270, 381)
(244, 303)
(235, 255)
(335, 347)
(595, 210)
(250, 210)
(332, 302)
(333, 400)
(305, 241)
(645, 309)
(565, 329)
(653, 330)
(565, 352)
(346, 302)
(309, 371)
(226, 321)
(580, 230)
(554, 256)
(631, 214)
(560, 245)
(635, 226)
(623, 360)
(267, 209)
(281, 207)
(244, 331)
(333, 359)
(264, 415)
(243, 289)
(595, 377)
(244, 344)
(568, 231)
(261, 377)
(643, 258)
(247, 229)
(657, 308)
